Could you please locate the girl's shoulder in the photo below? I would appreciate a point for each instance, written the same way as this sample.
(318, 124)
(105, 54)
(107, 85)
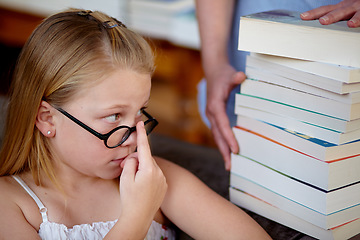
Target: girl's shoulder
(17, 203)
(8, 187)
(16, 208)
(11, 193)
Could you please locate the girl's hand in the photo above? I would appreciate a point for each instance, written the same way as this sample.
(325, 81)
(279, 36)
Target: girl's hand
(142, 183)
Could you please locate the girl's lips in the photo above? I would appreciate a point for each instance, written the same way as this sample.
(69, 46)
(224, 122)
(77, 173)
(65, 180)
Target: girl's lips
(118, 160)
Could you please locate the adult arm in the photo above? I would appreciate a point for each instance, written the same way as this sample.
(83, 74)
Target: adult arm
(215, 20)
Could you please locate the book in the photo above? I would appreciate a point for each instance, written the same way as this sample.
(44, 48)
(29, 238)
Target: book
(325, 175)
(344, 74)
(300, 114)
(173, 20)
(315, 131)
(256, 205)
(160, 6)
(298, 125)
(316, 148)
(283, 33)
(255, 70)
(325, 202)
(326, 221)
(301, 99)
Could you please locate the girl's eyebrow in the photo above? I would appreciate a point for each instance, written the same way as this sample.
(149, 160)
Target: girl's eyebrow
(116, 106)
(123, 106)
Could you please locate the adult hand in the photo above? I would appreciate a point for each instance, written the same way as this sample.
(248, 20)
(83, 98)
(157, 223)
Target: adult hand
(220, 82)
(142, 183)
(345, 10)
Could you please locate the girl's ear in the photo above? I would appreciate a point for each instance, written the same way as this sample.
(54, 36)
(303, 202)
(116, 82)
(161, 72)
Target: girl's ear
(44, 119)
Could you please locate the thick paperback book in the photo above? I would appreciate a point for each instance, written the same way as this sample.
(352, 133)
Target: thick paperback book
(283, 33)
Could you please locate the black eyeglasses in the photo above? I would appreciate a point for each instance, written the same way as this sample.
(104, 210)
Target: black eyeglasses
(118, 135)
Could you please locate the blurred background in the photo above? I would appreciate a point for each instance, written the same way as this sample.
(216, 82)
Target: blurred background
(171, 27)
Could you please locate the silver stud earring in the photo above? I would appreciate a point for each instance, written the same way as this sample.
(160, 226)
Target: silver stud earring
(49, 132)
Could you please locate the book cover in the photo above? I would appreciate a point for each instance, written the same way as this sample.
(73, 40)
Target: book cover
(315, 131)
(325, 175)
(297, 113)
(283, 33)
(256, 205)
(320, 86)
(343, 74)
(316, 148)
(326, 221)
(325, 202)
(304, 100)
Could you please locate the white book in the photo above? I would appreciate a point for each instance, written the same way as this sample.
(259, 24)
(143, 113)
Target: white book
(326, 221)
(316, 148)
(325, 202)
(269, 211)
(299, 165)
(344, 74)
(300, 114)
(156, 7)
(312, 130)
(303, 77)
(156, 26)
(259, 73)
(160, 19)
(283, 33)
(300, 99)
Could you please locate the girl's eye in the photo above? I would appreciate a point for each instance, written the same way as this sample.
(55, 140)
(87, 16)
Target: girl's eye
(113, 117)
(139, 115)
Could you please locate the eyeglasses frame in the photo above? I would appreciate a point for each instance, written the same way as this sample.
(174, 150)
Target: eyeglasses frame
(105, 137)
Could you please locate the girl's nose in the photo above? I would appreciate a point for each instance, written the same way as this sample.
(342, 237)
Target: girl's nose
(131, 140)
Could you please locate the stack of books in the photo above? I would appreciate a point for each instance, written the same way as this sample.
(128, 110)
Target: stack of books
(172, 20)
(298, 124)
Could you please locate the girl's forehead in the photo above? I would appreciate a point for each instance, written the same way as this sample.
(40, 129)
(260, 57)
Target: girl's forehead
(123, 86)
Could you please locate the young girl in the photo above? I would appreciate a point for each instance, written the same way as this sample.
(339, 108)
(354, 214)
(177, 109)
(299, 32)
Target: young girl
(75, 160)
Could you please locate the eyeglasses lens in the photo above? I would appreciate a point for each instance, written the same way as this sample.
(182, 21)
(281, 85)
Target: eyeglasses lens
(118, 137)
(122, 134)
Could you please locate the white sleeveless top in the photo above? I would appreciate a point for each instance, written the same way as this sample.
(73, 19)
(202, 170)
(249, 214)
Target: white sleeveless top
(97, 230)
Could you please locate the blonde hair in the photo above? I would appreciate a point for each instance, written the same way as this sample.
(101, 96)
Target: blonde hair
(65, 51)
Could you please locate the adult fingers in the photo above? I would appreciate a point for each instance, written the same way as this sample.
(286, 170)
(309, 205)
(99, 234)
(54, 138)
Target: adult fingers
(223, 147)
(316, 13)
(338, 14)
(238, 78)
(355, 20)
(222, 133)
(348, 9)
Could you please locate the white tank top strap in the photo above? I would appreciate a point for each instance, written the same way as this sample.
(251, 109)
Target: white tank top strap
(42, 208)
